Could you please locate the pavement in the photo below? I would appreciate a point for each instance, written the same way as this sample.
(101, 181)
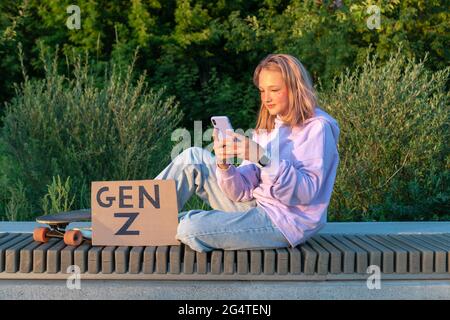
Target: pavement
(224, 290)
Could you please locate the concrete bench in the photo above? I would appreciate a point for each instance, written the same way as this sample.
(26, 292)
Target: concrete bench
(324, 257)
(331, 256)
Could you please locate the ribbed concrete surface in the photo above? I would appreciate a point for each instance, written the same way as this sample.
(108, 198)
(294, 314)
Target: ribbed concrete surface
(325, 256)
(413, 259)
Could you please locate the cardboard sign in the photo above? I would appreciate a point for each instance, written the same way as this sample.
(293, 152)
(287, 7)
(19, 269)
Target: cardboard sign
(134, 213)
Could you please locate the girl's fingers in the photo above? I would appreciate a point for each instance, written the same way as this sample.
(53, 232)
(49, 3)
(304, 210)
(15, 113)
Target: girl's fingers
(240, 153)
(215, 135)
(227, 141)
(237, 136)
(226, 152)
(232, 145)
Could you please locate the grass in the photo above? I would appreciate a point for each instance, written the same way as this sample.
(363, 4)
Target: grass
(195, 203)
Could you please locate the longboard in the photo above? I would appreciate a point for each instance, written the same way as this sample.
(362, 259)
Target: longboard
(57, 227)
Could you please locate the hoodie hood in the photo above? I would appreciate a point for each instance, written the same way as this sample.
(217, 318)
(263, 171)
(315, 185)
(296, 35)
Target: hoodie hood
(319, 114)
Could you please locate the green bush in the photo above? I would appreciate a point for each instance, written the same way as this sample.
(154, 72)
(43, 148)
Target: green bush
(205, 51)
(84, 127)
(394, 121)
(17, 206)
(58, 197)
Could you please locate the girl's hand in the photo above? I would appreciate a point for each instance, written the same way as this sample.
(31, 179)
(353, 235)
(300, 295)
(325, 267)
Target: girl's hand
(235, 145)
(246, 148)
(223, 150)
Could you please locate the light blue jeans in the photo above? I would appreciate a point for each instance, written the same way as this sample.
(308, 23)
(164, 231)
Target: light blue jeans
(230, 225)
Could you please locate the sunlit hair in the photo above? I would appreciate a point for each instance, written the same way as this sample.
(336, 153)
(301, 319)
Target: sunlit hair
(302, 96)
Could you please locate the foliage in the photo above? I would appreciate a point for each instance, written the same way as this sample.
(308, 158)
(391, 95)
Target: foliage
(89, 117)
(394, 121)
(204, 52)
(73, 127)
(58, 197)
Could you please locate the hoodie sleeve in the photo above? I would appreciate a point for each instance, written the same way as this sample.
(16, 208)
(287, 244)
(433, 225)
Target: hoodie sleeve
(238, 182)
(311, 175)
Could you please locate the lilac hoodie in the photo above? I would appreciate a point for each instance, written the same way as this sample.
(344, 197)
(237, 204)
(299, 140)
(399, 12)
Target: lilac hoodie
(295, 188)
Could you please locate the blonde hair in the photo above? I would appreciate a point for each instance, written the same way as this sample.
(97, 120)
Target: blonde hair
(302, 96)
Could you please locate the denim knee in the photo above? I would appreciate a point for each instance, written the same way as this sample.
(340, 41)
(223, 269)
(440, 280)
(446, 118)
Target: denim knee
(186, 233)
(186, 226)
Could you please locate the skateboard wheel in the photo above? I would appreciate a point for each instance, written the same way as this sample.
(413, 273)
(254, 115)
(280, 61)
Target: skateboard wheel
(73, 238)
(40, 234)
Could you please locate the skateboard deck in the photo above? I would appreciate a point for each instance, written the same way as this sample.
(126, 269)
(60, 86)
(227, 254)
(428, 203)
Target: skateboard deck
(57, 227)
(66, 217)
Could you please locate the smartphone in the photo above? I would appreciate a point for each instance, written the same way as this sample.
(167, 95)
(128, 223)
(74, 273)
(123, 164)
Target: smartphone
(223, 124)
